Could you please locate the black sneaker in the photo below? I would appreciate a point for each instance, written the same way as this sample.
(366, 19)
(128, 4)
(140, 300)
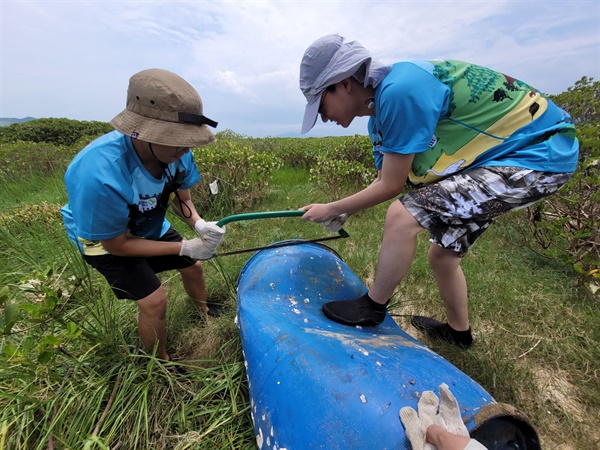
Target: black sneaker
(438, 330)
(217, 309)
(361, 311)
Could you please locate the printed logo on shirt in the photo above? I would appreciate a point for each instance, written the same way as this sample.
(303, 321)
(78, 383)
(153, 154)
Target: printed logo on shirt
(147, 204)
(433, 141)
(377, 140)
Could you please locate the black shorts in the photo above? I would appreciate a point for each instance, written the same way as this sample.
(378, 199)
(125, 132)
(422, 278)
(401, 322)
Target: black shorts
(135, 277)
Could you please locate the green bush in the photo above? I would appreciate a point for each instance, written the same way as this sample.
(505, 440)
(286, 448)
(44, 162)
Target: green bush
(21, 158)
(345, 166)
(299, 153)
(24, 158)
(242, 176)
(293, 152)
(56, 131)
(566, 226)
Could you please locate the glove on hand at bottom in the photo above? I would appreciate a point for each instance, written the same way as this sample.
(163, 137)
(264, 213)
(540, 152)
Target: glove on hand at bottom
(448, 417)
(203, 227)
(209, 231)
(334, 225)
(197, 248)
(416, 424)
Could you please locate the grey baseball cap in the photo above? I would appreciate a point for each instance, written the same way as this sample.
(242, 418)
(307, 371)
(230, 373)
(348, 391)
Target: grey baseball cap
(329, 60)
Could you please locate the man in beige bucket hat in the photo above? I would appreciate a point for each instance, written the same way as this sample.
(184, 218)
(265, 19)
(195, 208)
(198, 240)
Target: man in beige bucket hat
(119, 189)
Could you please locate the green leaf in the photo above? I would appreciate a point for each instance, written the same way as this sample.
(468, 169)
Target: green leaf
(28, 344)
(44, 357)
(11, 350)
(4, 295)
(52, 340)
(11, 315)
(35, 311)
(71, 327)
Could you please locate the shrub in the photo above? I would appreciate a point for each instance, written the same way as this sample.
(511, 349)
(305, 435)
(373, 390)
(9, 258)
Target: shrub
(300, 153)
(241, 173)
(44, 214)
(24, 158)
(566, 226)
(347, 166)
(55, 131)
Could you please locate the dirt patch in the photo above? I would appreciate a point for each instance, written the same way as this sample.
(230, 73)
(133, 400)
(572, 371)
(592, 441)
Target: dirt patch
(554, 387)
(555, 390)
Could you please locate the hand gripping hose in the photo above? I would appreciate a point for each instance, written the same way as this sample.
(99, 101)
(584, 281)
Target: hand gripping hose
(267, 215)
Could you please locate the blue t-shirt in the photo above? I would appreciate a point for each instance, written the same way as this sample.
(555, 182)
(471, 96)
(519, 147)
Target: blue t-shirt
(111, 192)
(453, 115)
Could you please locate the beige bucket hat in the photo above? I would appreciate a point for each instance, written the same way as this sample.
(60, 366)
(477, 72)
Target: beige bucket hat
(163, 108)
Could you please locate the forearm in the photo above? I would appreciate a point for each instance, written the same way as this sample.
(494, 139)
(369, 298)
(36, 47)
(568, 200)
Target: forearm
(388, 184)
(444, 440)
(184, 208)
(374, 194)
(132, 246)
(192, 215)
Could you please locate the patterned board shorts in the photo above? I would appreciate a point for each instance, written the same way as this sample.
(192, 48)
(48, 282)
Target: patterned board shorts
(458, 209)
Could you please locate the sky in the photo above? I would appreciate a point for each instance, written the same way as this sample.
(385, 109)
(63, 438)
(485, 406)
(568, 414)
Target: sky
(73, 59)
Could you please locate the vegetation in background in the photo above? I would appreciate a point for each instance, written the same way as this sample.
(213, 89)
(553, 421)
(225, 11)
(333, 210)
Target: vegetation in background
(566, 227)
(240, 174)
(345, 166)
(52, 131)
(71, 371)
(44, 145)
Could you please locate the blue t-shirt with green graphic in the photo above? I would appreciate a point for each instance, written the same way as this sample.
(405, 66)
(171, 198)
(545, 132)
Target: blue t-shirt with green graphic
(454, 115)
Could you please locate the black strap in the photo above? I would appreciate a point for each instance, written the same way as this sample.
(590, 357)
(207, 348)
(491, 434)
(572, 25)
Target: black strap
(196, 119)
(283, 244)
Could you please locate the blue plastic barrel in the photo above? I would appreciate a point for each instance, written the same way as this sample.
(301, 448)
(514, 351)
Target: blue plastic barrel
(317, 384)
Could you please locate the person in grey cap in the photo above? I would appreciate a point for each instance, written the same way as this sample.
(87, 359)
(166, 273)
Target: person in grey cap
(120, 186)
(474, 142)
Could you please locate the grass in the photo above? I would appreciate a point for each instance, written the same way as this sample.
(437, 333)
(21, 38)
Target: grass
(537, 333)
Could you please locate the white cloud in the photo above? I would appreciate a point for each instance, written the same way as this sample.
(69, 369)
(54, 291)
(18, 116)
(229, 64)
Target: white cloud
(74, 59)
(228, 81)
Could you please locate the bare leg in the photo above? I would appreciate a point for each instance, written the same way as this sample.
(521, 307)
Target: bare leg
(151, 322)
(397, 251)
(195, 285)
(452, 285)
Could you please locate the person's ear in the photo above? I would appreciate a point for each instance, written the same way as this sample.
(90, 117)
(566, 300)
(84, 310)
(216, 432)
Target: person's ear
(346, 84)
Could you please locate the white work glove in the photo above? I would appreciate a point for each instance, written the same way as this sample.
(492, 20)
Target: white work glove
(209, 231)
(334, 225)
(204, 228)
(197, 248)
(448, 417)
(416, 424)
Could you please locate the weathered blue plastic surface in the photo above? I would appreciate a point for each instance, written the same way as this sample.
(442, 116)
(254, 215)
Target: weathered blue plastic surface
(316, 384)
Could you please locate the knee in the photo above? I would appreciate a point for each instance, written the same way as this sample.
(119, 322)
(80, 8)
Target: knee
(398, 218)
(155, 304)
(442, 259)
(193, 270)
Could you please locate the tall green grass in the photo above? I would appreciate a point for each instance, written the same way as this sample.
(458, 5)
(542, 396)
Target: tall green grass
(537, 333)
